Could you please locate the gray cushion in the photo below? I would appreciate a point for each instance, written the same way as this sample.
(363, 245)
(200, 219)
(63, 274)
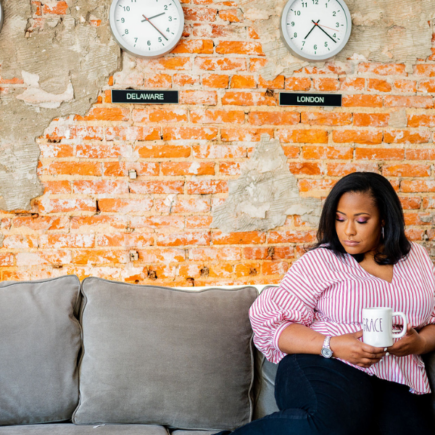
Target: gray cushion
(193, 432)
(429, 361)
(158, 355)
(39, 345)
(71, 429)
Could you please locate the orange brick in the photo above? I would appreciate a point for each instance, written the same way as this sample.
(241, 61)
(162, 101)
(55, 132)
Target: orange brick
(205, 187)
(100, 151)
(88, 187)
(219, 152)
(215, 81)
(185, 205)
(378, 85)
(248, 99)
(291, 152)
(362, 101)
(80, 132)
(406, 170)
(283, 253)
(120, 169)
(379, 153)
(172, 63)
(297, 83)
(252, 33)
(52, 150)
(198, 46)
(92, 224)
(124, 205)
(406, 136)
(419, 102)
(58, 8)
(411, 202)
(328, 68)
(239, 47)
(277, 83)
(305, 168)
(100, 256)
(256, 64)
(419, 218)
(427, 86)
(371, 119)
(184, 239)
(60, 241)
(7, 260)
(57, 187)
(323, 153)
(158, 81)
(12, 81)
(342, 169)
(421, 120)
(105, 114)
(188, 168)
(204, 116)
(258, 253)
(74, 168)
(414, 234)
(405, 85)
(167, 223)
(124, 240)
(425, 70)
(229, 168)
(326, 84)
(219, 64)
(352, 84)
(357, 136)
(208, 98)
(198, 221)
(158, 187)
(292, 236)
(215, 254)
(382, 69)
(200, 14)
(420, 154)
(247, 269)
(303, 136)
(190, 133)
(242, 82)
(413, 186)
(326, 118)
(429, 202)
(245, 134)
(240, 238)
(274, 118)
(231, 15)
(163, 151)
(159, 115)
(274, 268)
(132, 133)
(53, 205)
(20, 242)
(185, 80)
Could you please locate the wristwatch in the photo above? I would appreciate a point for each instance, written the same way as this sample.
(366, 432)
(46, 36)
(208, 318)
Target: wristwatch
(326, 349)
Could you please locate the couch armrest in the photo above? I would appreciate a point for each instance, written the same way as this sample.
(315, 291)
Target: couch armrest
(429, 360)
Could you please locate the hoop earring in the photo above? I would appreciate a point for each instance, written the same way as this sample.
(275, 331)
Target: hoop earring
(383, 232)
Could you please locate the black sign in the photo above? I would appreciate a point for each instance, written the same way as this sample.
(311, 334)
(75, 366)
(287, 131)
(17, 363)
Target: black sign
(144, 97)
(292, 99)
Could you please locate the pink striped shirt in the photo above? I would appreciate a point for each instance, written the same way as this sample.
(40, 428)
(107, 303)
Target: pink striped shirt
(327, 293)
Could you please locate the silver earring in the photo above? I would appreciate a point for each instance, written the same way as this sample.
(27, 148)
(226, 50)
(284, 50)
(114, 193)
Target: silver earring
(383, 233)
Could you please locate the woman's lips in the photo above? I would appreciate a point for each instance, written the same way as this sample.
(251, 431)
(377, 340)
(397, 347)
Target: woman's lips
(350, 242)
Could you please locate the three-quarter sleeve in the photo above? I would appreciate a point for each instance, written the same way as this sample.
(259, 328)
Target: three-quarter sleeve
(431, 320)
(293, 301)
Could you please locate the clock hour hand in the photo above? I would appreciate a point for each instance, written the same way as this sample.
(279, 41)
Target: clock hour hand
(327, 34)
(315, 24)
(155, 16)
(147, 19)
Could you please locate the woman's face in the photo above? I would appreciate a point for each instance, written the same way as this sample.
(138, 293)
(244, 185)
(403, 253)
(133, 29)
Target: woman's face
(357, 223)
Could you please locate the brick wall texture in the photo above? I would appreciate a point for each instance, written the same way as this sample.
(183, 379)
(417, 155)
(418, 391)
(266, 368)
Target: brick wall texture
(92, 214)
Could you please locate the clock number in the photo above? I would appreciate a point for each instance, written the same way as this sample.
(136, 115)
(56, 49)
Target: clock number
(122, 20)
(303, 43)
(170, 18)
(337, 24)
(334, 14)
(315, 2)
(297, 12)
(315, 47)
(160, 39)
(168, 30)
(334, 35)
(148, 42)
(326, 5)
(293, 23)
(135, 39)
(126, 31)
(166, 7)
(126, 8)
(326, 43)
(295, 35)
(304, 5)
(133, 1)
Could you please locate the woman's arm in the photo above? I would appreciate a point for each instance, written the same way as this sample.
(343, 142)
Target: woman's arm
(298, 338)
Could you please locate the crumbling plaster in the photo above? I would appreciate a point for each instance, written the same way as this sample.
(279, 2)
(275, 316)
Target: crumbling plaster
(60, 65)
(383, 31)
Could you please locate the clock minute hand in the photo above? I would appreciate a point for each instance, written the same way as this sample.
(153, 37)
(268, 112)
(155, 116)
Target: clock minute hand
(147, 19)
(315, 24)
(327, 34)
(155, 16)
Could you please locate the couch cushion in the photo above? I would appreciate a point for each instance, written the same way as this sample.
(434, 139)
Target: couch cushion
(193, 432)
(39, 345)
(72, 429)
(158, 355)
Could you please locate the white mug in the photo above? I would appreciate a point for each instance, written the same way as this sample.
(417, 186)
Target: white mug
(378, 326)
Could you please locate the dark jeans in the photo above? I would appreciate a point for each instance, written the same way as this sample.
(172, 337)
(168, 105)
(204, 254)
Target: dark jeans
(323, 396)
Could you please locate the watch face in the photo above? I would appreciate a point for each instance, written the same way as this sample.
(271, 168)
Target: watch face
(316, 29)
(327, 353)
(147, 28)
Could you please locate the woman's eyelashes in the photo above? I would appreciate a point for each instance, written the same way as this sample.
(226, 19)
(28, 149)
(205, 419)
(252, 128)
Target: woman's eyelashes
(358, 221)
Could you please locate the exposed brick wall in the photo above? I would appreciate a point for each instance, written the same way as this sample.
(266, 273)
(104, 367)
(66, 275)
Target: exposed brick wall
(91, 214)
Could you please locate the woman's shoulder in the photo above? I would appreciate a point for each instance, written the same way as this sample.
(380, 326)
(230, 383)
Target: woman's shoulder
(419, 255)
(316, 258)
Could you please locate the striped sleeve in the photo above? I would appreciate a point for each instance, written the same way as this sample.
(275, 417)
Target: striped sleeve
(293, 301)
(431, 321)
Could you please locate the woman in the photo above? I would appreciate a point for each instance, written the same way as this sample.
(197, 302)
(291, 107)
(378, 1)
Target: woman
(362, 259)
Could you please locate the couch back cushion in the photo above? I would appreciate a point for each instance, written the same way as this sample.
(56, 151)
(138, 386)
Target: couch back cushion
(156, 355)
(39, 346)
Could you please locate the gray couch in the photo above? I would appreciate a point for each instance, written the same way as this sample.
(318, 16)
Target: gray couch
(105, 357)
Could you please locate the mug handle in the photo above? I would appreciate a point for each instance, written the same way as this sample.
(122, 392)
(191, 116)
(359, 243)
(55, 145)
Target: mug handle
(405, 325)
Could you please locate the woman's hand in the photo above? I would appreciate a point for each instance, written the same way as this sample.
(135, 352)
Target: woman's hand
(348, 347)
(411, 344)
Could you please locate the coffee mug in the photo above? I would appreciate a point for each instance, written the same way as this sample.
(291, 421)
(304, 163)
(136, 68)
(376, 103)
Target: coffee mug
(378, 326)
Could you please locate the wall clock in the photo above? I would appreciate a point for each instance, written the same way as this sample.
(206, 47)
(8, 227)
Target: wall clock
(147, 28)
(1, 15)
(316, 29)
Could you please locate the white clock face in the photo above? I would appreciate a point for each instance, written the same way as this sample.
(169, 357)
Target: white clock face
(316, 29)
(147, 28)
